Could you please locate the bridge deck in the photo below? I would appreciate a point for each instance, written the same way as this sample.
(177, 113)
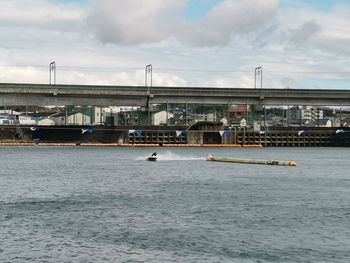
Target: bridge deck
(44, 94)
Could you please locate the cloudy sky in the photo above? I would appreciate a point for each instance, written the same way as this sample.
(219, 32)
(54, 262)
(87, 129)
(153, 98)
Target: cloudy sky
(298, 43)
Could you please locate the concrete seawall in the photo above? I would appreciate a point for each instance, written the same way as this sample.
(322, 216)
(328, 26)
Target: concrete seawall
(29, 144)
(118, 137)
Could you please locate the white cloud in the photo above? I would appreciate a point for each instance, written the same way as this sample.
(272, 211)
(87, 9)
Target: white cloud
(134, 22)
(135, 78)
(27, 75)
(304, 32)
(229, 19)
(328, 32)
(75, 76)
(40, 14)
(118, 34)
(236, 81)
(40, 26)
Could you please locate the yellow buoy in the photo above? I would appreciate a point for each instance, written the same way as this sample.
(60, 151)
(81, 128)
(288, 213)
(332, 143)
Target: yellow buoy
(292, 163)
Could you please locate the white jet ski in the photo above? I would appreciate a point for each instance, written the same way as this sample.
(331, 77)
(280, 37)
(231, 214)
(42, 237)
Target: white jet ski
(153, 157)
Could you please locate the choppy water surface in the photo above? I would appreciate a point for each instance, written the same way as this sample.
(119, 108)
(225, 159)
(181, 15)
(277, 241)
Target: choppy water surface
(110, 205)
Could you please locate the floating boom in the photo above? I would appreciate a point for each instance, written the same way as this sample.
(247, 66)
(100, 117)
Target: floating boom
(249, 161)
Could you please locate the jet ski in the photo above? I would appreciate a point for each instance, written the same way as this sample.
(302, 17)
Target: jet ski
(153, 157)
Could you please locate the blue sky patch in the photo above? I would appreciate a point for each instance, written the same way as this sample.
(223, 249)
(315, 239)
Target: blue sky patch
(197, 9)
(323, 5)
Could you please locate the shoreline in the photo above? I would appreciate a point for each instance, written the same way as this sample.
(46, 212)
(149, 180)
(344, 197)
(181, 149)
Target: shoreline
(30, 144)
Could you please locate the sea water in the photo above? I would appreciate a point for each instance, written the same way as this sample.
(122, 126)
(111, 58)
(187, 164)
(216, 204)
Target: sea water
(111, 205)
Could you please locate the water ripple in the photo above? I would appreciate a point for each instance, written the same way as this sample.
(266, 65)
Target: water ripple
(108, 205)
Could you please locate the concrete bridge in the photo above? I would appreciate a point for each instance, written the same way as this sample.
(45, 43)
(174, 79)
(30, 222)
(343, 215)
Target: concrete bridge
(45, 94)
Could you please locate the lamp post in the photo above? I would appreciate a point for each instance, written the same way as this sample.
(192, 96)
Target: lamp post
(148, 71)
(257, 72)
(52, 71)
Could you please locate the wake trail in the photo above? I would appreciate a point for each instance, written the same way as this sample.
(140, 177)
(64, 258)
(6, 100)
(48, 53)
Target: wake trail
(169, 156)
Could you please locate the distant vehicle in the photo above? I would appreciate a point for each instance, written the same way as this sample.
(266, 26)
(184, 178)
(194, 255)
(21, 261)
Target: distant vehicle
(16, 122)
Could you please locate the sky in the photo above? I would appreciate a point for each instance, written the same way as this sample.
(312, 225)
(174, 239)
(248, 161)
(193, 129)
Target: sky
(211, 43)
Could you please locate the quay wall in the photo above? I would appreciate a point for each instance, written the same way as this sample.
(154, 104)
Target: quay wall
(173, 136)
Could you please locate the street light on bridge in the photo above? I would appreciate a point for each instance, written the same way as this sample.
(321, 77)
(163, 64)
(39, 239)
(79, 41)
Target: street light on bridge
(257, 72)
(52, 71)
(148, 72)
